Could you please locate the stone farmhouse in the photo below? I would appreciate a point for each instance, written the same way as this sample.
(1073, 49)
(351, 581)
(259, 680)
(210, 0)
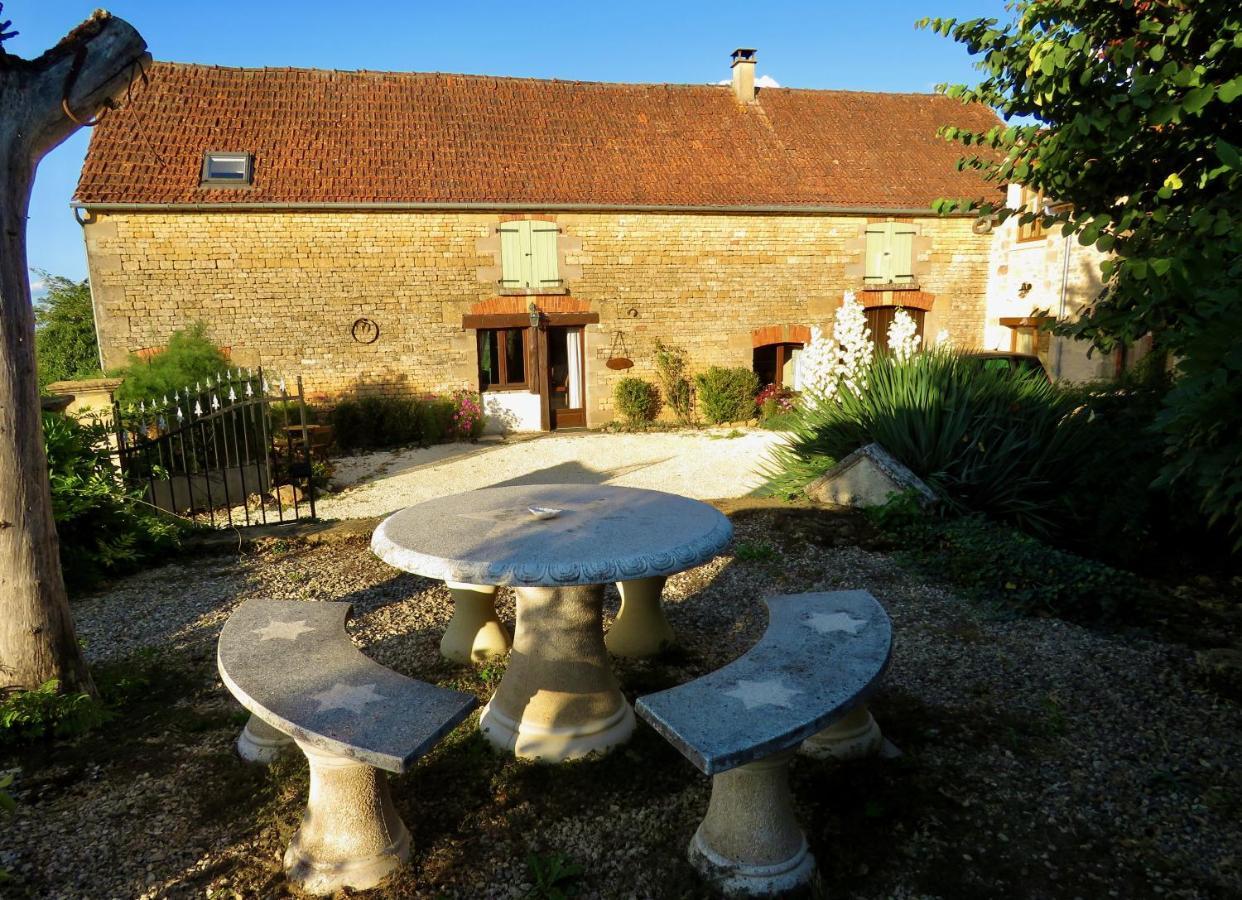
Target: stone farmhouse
(381, 232)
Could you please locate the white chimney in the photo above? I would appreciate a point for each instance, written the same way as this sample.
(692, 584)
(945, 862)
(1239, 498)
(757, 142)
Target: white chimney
(744, 74)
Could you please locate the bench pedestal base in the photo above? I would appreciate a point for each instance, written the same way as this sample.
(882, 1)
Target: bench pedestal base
(750, 843)
(351, 835)
(856, 736)
(260, 742)
(558, 699)
(475, 633)
(640, 628)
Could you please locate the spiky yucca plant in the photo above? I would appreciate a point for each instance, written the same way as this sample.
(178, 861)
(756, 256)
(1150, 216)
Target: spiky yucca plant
(997, 442)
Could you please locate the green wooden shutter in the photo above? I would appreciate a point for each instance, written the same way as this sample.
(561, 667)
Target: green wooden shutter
(901, 253)
(878, 270)
(514, 255)
(544, 270)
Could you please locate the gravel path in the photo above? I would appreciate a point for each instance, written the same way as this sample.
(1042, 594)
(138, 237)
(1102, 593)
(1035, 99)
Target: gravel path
(703, 464)
(1041, 759)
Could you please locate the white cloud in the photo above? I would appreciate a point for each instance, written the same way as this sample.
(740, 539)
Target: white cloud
(761, 82)
(37, 285)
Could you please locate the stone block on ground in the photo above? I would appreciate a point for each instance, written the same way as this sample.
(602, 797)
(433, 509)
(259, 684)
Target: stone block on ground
(868, 477)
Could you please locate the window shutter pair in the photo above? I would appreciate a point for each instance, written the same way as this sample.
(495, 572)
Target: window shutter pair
(890, 253)
(528, 255)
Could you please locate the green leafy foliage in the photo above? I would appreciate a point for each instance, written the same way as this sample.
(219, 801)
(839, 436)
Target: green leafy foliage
(727, 395)
(103, 529)
(44, 714)
(1120, 511)
(995, 563)
(190, 357)
(671, 366)
(373, 423)
(65, 343)
(1136, 132)
(27, 716)
(554, 876)
(637, 400)
(987, 440)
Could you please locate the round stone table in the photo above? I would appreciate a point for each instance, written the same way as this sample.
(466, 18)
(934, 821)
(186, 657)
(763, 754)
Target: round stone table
(558, 699)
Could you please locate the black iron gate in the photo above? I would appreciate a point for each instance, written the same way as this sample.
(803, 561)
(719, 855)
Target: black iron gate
(228, 452)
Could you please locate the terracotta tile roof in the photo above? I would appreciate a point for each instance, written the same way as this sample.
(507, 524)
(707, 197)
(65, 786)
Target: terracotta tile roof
(374, 137)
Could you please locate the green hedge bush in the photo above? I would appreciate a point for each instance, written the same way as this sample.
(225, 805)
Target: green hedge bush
(104, 530)
(727, 395)
(375, 423)
(637, 400)
(190, 357)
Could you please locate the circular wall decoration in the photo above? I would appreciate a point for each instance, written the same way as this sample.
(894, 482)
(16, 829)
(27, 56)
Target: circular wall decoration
(365, 331)
(632, 312)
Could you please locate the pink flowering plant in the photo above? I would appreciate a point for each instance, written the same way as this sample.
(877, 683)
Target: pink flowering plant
(782, 399)
(467, 416)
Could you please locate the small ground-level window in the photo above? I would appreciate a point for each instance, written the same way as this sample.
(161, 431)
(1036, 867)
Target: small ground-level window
(777, 364)
(227, 169)
(880, 318)
(502, 359)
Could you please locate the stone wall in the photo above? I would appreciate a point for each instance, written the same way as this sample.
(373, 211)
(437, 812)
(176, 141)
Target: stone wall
(282, 289)
(1048, 276)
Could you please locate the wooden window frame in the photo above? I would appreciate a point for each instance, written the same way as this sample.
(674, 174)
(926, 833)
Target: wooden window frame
(1031, 231)
(880, 341)
(782, 348)
(502, 363)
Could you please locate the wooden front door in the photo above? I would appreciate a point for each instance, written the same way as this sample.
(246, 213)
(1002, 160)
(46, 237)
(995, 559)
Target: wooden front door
(566, 377)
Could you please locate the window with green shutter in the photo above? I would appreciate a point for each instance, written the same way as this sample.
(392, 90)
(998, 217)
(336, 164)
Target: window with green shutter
(890, 253)
(528, 255)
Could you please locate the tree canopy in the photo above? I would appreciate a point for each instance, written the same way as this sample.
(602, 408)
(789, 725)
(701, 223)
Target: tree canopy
(1127, 113)
(65, 343)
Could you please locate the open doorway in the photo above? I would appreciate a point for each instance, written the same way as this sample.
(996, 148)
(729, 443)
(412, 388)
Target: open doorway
(566, 378)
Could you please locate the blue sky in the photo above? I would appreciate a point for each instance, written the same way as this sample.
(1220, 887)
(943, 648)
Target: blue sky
(801, 44)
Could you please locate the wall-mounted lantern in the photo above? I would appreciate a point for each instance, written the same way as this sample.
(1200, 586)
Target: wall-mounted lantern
(534, 314)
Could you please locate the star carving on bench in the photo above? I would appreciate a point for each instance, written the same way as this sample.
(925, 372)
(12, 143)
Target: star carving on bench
(346, 696)
(827, 623)
(283, 631)
(769, 692)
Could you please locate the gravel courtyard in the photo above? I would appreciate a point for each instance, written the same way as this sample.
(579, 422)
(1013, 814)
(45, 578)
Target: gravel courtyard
(1040, 758)
(707, 464)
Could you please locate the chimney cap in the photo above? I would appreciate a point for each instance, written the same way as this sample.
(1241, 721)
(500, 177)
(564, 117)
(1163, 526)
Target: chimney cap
(743, 54)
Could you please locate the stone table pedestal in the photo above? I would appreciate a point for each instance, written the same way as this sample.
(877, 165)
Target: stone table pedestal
(640, 628)
(558, 699)
(475, 633)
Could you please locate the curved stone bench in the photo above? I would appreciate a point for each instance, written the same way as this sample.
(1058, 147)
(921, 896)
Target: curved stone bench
(817, 661)
(292, 665)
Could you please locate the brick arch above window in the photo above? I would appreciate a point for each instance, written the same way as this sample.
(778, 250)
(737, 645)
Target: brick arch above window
(511, 305)
(780, 334)
(907, 299)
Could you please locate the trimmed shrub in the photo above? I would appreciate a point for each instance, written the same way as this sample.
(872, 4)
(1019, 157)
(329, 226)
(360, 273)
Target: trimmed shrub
(104, 530)
(987, 440)
(670, 365)
(637, 400)
(727, 395)
(374, 423)
(189, 357)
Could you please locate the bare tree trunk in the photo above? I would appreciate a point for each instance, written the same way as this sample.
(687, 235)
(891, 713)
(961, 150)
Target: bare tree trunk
(93, 64)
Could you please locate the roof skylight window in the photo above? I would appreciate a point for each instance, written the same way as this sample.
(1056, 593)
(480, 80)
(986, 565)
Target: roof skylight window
(225, 169)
